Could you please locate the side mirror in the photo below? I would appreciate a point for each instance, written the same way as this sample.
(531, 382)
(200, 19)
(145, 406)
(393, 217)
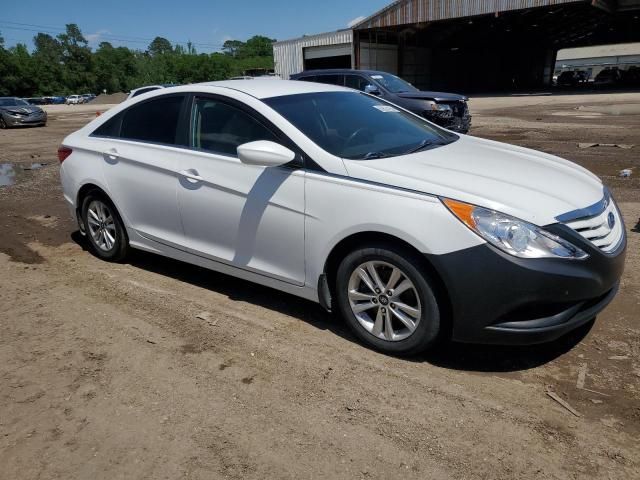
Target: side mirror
(265, 154)
(372, 89)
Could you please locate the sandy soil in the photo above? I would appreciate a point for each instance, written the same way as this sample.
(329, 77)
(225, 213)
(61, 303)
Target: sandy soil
(107, 371)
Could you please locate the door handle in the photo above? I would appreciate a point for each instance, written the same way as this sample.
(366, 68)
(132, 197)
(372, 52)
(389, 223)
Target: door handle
(112, 154)
(191, 175)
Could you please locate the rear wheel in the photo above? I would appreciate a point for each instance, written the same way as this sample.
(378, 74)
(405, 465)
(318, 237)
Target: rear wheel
(104, 228)
(3, 124)
(386, 299)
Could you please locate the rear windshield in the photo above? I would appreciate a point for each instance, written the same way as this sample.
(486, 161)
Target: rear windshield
(357, 126)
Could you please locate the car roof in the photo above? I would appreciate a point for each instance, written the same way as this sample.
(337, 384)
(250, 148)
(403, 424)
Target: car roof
(149, 86)
(334, 71)
(267, 88)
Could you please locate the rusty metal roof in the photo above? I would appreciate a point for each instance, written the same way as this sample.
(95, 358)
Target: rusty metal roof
(403, 12)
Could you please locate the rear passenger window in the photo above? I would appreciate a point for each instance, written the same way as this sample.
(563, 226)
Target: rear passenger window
(331, 79)
(153, 121)
(218, 127)
(110, 128)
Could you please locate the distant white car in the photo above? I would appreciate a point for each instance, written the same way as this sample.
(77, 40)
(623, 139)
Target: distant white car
(74, 100)
(407, 229)
(148, 88)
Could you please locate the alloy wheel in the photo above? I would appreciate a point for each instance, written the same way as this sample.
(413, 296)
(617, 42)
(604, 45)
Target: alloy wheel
(384, 300)
(101, 225)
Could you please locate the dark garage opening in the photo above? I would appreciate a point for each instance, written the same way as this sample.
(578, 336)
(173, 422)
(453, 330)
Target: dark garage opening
(341, 61)
(503, 51)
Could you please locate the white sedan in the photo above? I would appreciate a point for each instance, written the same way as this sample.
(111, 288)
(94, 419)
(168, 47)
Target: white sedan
(410, 231)
(74, 100)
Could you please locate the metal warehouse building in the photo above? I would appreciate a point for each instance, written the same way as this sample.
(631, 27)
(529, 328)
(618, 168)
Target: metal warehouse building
(466, 45)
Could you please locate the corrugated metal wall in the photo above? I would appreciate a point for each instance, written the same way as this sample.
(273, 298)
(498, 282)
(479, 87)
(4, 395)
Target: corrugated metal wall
(417, 11)
(288, 55)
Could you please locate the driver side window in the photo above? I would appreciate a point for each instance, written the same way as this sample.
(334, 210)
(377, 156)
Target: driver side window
(218, 127)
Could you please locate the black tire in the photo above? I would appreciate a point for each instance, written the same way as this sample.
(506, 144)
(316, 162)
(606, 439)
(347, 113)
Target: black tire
(120, 248)
(3, 124)
(427, 329)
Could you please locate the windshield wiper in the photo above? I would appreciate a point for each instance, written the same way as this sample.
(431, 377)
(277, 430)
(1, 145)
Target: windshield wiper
(423, 144)
(372, 155)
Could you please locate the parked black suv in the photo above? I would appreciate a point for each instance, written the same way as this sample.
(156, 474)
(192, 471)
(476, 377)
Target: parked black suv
(448, 110)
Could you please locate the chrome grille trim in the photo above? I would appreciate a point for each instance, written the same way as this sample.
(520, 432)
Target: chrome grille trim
(589, 211)
(593, 225)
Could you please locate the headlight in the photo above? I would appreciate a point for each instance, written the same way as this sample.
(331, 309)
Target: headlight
(513, 236)
(441, 108)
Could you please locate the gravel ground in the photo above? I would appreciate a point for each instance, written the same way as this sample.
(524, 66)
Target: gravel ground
(107, 372)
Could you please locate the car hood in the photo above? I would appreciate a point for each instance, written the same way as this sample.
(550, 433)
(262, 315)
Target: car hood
(26, 109)
(437, 96)
(533, 186)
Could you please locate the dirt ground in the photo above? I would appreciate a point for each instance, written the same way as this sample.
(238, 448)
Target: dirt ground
(107, 372)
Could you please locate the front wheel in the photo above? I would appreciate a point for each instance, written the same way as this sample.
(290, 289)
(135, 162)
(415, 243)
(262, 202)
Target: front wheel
(104, 228)
(3, 124)
(387, 301)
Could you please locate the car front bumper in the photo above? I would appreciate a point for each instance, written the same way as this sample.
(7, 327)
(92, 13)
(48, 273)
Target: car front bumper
(500, 299)
(17, 121)
(455, 123)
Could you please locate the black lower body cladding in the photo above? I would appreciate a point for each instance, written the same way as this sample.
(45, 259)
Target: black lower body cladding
(500, 299)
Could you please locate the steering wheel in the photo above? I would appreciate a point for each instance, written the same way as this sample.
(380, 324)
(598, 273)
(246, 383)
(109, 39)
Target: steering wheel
(353, 136)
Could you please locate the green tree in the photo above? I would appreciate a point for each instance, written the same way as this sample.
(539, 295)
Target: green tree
(112, 67)
(160, 46)
(257, 46)
(232, 47)
(77, 60)
(66, 64)
(48, 68)
(5, 68)
(19, 78)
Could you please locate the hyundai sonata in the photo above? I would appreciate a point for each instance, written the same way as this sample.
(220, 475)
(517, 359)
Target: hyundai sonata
(408, 230)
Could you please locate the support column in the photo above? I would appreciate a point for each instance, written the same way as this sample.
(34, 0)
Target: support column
(549, 67)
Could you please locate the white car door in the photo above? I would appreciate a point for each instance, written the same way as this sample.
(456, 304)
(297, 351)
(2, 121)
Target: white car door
(140, 152)
(248, 216)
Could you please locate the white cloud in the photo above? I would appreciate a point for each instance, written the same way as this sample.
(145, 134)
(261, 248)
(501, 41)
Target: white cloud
(355, 21)
(96, 37)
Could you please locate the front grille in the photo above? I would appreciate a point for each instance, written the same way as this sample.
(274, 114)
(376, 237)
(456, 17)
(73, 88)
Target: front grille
(459, 108)
(604, 229)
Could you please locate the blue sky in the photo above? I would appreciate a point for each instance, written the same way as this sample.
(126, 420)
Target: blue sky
(206, 23)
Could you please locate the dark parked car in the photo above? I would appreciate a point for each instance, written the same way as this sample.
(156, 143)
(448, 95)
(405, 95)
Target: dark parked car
(15, 112)
(448, 110)
(36, 100)
(631, 76)
(608, 77)
(568, 79)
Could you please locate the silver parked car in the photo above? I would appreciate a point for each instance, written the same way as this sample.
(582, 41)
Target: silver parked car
(15, 112)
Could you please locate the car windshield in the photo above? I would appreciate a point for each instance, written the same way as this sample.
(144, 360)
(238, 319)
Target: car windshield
(358, 126)
(13, 102)
(392, 83)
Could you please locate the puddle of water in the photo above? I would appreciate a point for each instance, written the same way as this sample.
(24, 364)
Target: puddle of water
(34, 166)
(11, 172)
(7, 174)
